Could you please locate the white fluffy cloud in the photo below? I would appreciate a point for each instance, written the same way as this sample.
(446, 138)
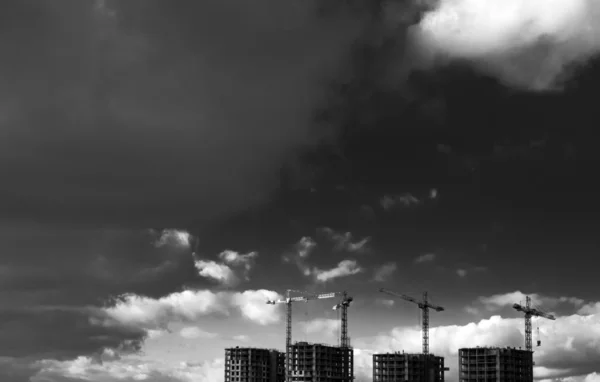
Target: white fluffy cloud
(305, 246)
(592, 377)
(358, 246)
(127, 369)
(149, 313)
(383, 272)
(570, 345)
(406, 200)
(155, 333)
(215, 271)
(175, 238)
(498, 301)
(189, 305)
(193, 332)
(385, 302)
(344, 241)
(591, 308)
(236, 259)
(230, 271)
(427, 257)
(241, 338)
(208, 371)
(344, 268)
(525, 43)
(252, 304)
(465, 270)
(324, 326)
(302, 249)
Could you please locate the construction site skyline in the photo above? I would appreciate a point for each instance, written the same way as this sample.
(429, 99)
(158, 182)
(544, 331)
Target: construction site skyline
(314, 362)
(167, 167)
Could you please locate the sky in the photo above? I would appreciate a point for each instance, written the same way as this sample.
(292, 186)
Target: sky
(167, 168)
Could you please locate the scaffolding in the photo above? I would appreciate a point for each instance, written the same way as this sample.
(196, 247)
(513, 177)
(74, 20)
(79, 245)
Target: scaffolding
(254, 365)
(312, 362)
(393, 367)
(495, 364)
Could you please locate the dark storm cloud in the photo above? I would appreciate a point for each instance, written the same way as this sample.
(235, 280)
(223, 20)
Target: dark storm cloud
(184, 111)
(61, 333)
(144, 114)
(54, 280)
(57, 261)
(16, 369)
(140, 114)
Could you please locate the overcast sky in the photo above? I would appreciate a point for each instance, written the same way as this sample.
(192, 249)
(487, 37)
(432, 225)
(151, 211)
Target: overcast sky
(166, 167)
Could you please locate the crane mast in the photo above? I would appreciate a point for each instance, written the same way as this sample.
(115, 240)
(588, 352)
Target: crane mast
(425, 309)
(343, 305)
(424, 305)
(288, 329)
(529, 313)
(288, 337)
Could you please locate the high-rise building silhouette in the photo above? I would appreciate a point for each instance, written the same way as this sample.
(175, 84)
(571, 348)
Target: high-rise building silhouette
(392, 367)
(321, 363)
(254, 365)
(495, 364)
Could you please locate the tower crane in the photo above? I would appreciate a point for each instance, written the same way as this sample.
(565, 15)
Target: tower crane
(530, 312)
(424, 306)
(343, 305)
(288, 331)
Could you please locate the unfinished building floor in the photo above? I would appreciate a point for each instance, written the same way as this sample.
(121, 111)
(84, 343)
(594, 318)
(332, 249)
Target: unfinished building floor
(254, 365)
(393, 367)
(483, 364)
(321, 363)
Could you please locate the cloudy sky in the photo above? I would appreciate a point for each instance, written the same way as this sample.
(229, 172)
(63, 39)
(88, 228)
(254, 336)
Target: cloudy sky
(166, 167)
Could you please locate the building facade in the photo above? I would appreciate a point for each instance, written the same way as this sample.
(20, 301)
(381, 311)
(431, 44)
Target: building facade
(254, 365)
(395, 367)
(483, 364)
(321, 363)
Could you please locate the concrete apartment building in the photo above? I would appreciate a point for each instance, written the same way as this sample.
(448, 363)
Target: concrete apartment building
(254, 365)
(483, 364)
(394, 367)
(321, 363)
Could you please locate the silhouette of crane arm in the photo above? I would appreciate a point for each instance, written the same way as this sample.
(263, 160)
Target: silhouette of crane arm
(533, 311)
(421, 304)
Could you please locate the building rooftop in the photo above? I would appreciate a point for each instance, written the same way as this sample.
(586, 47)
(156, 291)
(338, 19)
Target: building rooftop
(251, 348)
(493, 348)
(407, 354)
(304, 343)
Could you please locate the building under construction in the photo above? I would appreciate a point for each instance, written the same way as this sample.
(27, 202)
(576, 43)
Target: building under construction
(422, 367)
(393, 367)
(254, 365)
(321, 363)
(317, 362)
(495, 364)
